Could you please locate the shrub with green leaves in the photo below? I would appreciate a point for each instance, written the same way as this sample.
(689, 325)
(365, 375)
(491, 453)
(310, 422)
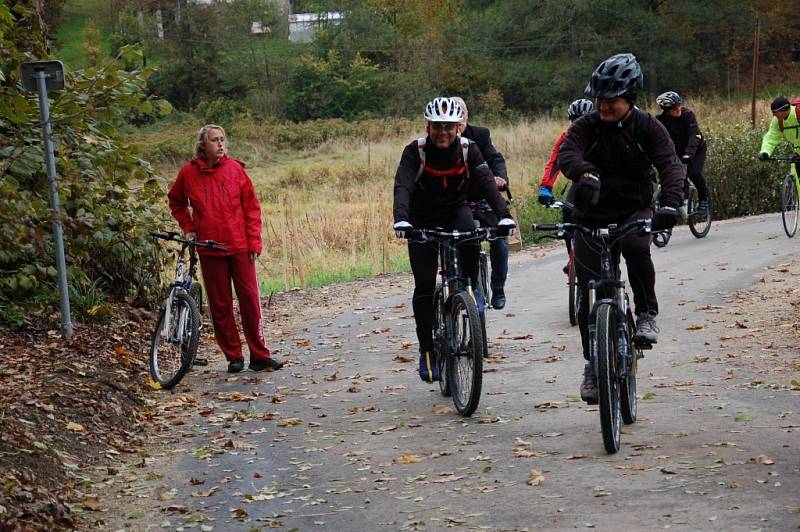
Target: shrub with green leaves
(110, 197)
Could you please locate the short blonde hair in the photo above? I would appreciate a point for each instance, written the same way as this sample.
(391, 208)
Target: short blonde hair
(202, 137)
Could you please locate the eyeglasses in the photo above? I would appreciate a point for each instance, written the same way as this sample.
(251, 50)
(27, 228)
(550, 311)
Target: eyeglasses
(446, 126)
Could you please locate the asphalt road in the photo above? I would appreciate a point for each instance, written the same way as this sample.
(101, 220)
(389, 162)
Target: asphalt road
(348, 438)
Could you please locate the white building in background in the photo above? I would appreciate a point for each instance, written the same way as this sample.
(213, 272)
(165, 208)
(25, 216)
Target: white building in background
(303, 25)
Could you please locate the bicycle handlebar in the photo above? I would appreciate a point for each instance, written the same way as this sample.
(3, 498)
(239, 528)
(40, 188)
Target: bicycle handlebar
(455, 235)
(176, 237)
(613, 230)
(789, 158)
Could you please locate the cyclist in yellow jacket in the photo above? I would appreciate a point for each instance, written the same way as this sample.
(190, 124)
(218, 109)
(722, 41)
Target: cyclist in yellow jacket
(784, 126)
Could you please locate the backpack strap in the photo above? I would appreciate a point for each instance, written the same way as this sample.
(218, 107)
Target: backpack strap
(421, 149)
(465, 142)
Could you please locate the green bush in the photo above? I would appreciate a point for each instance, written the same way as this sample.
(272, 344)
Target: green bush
(740, 184)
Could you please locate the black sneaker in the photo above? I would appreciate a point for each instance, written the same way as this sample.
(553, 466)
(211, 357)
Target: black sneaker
(270, 364)
(646, 328)
(236, 365)
(200, 361)
(589, 385)
(498, 298)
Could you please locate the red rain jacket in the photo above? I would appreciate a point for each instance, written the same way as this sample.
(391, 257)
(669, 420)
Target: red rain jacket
(218, 203)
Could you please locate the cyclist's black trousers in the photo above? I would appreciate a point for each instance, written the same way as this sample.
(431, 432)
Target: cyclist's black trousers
(641, 273)
(695, 173)
(424, 259)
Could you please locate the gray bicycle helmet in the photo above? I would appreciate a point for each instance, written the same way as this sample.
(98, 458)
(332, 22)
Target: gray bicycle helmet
(668, 100)
(619, 75)
(579, 108)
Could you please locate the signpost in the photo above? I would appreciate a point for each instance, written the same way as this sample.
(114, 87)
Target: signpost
(42, 76)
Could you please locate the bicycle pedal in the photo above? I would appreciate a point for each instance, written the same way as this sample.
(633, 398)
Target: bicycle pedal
(643, 345)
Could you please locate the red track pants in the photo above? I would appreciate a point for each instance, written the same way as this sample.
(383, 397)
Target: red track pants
(218, 272)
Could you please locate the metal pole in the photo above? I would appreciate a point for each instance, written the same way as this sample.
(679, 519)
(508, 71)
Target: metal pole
(44, 108)
(755, 72)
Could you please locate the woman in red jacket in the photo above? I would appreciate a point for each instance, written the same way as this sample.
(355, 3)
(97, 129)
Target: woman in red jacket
(213, 199)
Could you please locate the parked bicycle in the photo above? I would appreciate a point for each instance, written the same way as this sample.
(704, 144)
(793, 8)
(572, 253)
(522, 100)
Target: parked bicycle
(612, 351)
(177, 332)
(699, 221)
(790, 192)
(458, 330)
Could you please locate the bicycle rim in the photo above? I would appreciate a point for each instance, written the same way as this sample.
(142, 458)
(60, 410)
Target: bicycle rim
(607, 383)
(440, 341)
(789, 205)
(465, 363)
(629, 405)
(174, 345)
(572, 284)
(699, 223)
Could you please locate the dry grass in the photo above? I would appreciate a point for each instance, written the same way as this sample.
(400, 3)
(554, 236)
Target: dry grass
(328, 209)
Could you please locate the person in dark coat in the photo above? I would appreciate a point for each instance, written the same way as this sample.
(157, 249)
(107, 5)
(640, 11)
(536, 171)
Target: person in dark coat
(690, 145)
(498, 248)
(608, 154)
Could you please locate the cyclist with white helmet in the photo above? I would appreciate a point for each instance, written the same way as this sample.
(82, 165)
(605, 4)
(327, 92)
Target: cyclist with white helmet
(608, 154)
(690, 145)
(431, 185)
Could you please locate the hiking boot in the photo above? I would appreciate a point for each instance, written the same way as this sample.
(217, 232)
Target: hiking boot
(428, 367)
(200, 361)
(646, 329)
(498, 298)
(702, 208)
(565, 269)
(269, 364)
(236, 365)
(589, 385)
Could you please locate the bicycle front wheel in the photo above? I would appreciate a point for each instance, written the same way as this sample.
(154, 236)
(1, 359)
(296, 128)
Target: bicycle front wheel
(440, 340)
(572, 284)
(699, 222)
(465, 362)
(607, 383)
(196, 291)
(175, 340)
(789, 205)
(483, 286)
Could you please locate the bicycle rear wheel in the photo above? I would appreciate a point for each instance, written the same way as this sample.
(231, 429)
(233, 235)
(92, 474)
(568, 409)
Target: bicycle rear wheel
(699, 222)
(572, 284)
(607, 384)
(629, 405)
(661, 238)
(440, 341)
(175, 339)
(465, 362)
(789, 205)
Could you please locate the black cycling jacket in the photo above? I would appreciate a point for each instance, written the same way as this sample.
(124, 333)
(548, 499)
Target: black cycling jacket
(621, 157)
(443, 186)
(684, 132)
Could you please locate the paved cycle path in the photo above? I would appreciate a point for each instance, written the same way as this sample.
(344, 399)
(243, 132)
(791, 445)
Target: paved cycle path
(347, 437)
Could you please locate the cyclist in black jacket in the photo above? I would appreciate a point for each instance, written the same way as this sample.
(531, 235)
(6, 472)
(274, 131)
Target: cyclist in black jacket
(608, 154)
(690, 145)
(498, 248)
(435, 195)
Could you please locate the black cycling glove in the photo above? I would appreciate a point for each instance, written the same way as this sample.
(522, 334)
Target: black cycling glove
(587, 191)
(665, 218)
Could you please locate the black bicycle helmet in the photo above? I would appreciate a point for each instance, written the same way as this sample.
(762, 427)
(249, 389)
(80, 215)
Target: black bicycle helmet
(579, 108)
(668, 100)
(619, 75)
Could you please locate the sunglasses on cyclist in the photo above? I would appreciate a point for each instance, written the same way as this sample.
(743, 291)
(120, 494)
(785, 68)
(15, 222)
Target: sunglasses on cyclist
(446, 126)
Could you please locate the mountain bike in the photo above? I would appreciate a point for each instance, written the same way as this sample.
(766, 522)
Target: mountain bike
(790, 192)
(458, 330)
(699, 221)
(177, 332)
(612, 352)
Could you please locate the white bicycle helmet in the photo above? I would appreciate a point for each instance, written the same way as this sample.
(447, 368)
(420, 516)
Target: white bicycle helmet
(668, 100)
(443, 110)
(579, 108)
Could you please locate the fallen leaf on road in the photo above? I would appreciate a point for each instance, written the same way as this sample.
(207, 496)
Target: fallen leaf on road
(442, 409)
(290, 422)
(535, 477)
(408, 458)
(695, 327)
(448, 478)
